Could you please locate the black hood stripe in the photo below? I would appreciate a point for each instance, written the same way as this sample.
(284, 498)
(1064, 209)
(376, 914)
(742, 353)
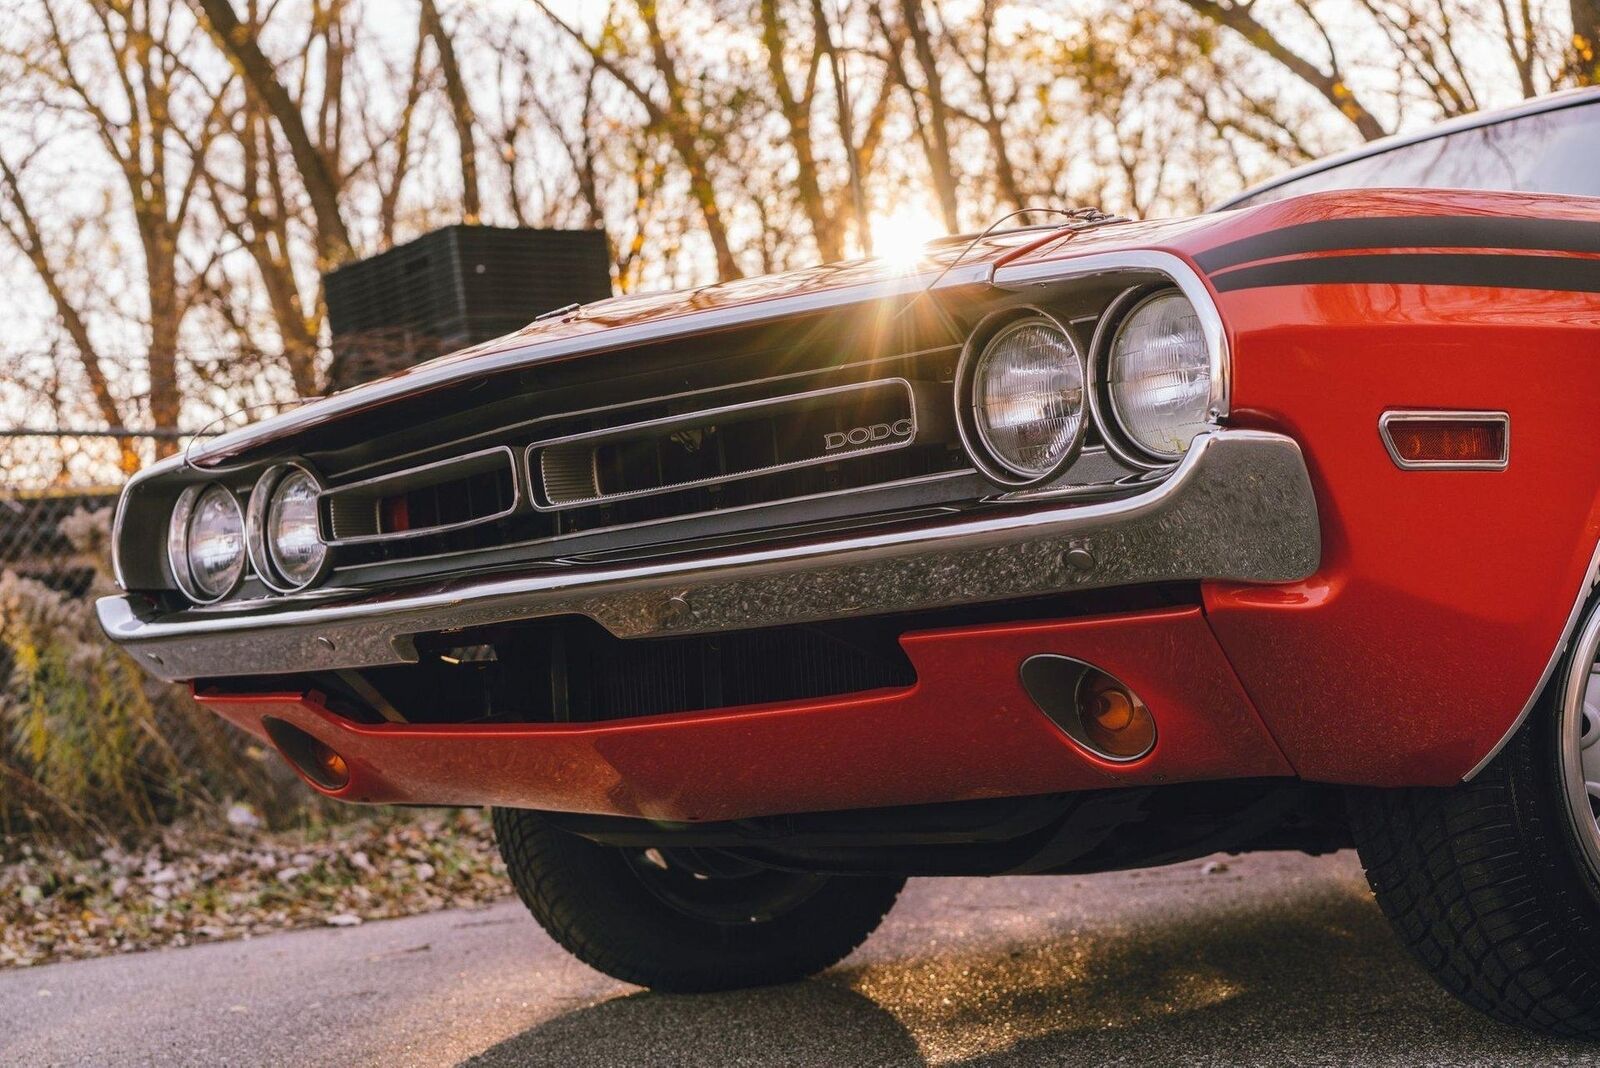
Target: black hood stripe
(1419, 231)
(1559, 273)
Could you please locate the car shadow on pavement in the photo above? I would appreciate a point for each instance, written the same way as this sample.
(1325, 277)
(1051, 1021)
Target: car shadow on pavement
(1314, 979)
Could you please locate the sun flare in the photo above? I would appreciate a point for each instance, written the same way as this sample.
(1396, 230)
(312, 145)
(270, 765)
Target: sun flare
(901, 236)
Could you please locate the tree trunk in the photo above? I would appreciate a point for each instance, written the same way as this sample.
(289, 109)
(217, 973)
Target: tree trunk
(238, 43)
(460, 112)
(30, 241)
(1331, 86)
(796, 110)
(939, 161)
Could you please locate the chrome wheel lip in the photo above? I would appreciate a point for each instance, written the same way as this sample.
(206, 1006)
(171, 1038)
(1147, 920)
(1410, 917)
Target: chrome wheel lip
(1576, 788)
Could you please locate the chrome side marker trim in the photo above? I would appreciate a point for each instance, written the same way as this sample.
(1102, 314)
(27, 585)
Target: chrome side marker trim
(1401, 431)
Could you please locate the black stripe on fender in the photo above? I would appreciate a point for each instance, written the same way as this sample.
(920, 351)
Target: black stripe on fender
(1559, 273)
(1420, 231)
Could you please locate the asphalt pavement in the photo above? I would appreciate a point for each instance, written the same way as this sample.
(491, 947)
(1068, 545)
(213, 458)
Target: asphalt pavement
(1269, 959)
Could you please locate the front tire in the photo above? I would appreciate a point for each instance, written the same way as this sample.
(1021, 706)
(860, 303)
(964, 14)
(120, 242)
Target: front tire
(1494, 884)
(682, 921)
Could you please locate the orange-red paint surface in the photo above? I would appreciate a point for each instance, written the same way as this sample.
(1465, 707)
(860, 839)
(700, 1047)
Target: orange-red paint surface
(965, 730)
(1440, 601)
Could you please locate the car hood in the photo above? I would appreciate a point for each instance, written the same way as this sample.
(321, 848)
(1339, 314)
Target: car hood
(624, 322)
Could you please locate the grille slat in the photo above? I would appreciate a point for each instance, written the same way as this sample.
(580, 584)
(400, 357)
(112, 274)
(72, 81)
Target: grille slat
(448, 495)
(734, 443)
(680, 456)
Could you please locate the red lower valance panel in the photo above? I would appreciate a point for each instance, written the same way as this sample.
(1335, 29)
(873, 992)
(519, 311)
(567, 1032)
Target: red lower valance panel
(965, 730)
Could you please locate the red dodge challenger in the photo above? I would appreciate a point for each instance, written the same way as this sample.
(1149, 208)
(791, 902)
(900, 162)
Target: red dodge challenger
(1067, 549)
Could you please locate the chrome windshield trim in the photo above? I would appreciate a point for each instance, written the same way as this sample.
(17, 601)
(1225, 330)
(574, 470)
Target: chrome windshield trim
(1239, 507)
(1476, 120)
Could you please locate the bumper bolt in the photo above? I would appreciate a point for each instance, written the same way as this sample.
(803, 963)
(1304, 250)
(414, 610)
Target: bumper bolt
(1078, 557)
(676, 610)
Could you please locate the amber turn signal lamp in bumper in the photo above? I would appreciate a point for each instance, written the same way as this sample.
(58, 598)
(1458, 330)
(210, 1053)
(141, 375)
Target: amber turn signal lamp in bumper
(313, 758)
(1116, 722)
(1094, 709)
(1447, 441)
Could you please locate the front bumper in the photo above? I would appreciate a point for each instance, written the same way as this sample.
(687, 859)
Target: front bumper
(1239, 507)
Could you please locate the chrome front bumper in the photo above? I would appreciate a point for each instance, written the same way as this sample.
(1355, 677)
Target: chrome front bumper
(1239, 507)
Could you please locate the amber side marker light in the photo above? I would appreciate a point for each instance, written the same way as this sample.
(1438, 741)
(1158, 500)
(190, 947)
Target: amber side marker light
(1447, 441)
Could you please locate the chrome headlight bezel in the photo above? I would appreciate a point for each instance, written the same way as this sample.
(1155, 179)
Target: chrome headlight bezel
(179, 531)
(258, 538)
(974, 437)
(1119, 441)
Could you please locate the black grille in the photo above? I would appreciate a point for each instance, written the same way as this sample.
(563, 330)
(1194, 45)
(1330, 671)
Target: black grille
(610, 679)
(857, 473)
(573, 670)
(447, 504)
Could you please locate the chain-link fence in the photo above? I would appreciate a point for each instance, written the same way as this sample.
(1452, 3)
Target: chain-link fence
(88, 744)
(57, 492)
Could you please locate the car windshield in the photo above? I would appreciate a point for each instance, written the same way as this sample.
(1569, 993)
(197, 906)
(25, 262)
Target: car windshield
(1551, 152)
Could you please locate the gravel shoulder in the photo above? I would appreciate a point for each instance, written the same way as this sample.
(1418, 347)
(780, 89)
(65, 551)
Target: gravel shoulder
(1263, 959)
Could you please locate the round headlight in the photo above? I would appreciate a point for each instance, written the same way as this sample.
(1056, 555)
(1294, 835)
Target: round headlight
(293, 541)
(206, 543)
(1026, 400)
(1158, 376)
(281, 530)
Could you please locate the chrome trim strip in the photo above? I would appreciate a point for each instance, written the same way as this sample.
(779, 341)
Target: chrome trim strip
(1590, 580)
(535, 451)
(1474, 121)
(325, 522)
(1239, 507)
(117, 518)
(1438, 415)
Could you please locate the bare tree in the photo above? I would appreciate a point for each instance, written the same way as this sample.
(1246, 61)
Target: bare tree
(668, 109)
(795, 104)
(317, 171)
(455, 88)
(122, 69)
(992, 104)
(1329, 81)
(937, 123)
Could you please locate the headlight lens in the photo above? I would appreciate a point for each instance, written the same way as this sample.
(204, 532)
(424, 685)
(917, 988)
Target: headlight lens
(1158, 376)
(293, 541)
(1028, 400)
(209, 530)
